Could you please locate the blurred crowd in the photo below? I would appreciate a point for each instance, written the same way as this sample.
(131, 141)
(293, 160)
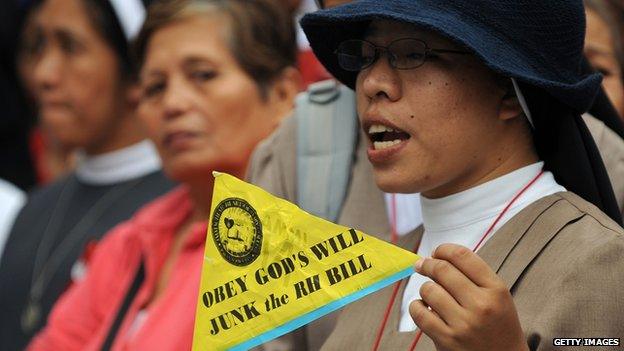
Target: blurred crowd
(115, 113)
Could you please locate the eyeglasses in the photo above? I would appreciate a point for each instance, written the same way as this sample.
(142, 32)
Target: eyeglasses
(355, 55)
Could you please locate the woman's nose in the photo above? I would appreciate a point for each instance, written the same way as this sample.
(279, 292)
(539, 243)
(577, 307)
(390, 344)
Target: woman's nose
(47, 70)
(381, 80)
(177, 99)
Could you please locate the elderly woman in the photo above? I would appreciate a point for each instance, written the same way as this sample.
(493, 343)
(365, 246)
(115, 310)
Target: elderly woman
(212, 89)
(477, 107)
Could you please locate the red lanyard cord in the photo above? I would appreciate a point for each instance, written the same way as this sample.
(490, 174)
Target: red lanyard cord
(500, 216)
(386, 315)
(395, 292)
(394, 239)
(416, 339)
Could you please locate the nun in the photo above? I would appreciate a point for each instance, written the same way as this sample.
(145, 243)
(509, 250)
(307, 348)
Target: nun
(83, 81)
(477, 106)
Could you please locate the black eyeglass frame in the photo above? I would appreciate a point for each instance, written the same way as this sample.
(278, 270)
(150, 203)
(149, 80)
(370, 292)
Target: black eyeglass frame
(392, 58)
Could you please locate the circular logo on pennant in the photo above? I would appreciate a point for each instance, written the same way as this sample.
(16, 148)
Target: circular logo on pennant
(237, 231)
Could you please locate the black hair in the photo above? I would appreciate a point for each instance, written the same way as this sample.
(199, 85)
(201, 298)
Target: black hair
(106, 22)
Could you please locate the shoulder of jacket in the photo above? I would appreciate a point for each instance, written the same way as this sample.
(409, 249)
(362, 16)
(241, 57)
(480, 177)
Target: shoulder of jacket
(587, 209)
(274, 153)
(282, 140)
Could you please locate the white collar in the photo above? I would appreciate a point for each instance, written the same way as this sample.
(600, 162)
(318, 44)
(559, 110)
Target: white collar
(486, 200)
(131, 162)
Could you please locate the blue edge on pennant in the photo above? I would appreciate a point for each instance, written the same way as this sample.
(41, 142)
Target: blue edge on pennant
(321, 311)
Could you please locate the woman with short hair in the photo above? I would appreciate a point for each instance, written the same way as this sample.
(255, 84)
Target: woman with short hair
(477, 107)
(212, 88)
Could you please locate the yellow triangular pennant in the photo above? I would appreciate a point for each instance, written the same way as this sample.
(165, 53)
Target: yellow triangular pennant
(270, 267)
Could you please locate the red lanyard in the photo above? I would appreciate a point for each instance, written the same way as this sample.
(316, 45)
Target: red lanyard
(394, 237)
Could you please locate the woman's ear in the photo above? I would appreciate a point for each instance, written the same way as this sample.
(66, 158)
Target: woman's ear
(510, 106)
(284, 91)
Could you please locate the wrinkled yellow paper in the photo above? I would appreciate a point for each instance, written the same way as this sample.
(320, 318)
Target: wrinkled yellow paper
(269, 268)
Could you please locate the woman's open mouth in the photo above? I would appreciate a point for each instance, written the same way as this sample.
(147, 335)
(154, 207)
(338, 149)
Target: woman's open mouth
(385, 141)
(384, 137)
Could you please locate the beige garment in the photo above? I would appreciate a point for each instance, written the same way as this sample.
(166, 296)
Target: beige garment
(561, 257)
(273, 167)
(611, 148)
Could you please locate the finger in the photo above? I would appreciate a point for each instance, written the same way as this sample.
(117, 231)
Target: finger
(427, 320)
(450, 278)
(441, 302)
(469, 263)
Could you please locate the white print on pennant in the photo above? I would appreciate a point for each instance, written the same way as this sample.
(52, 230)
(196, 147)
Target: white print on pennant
(586, 342)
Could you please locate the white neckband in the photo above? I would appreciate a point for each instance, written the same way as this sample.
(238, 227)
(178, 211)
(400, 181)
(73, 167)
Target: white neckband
(129, 163)
(131, 14)
(523, 103)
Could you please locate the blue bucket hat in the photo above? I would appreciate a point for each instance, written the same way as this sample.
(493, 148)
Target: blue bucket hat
(537, 42)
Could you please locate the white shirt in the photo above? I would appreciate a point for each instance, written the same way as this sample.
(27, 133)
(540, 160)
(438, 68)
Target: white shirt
(463, 218)
(408, 213)
(11, 201)
(118, 166)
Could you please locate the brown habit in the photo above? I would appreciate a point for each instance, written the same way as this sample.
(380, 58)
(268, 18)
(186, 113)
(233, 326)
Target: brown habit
(562, 260)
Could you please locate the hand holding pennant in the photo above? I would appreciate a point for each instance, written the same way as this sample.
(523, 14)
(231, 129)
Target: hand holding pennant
(270, 268)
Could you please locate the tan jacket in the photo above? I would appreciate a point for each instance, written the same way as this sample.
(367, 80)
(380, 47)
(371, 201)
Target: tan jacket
(562, 260)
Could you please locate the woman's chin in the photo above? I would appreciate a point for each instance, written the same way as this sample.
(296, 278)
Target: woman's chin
(397, 184)
(183, 172)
